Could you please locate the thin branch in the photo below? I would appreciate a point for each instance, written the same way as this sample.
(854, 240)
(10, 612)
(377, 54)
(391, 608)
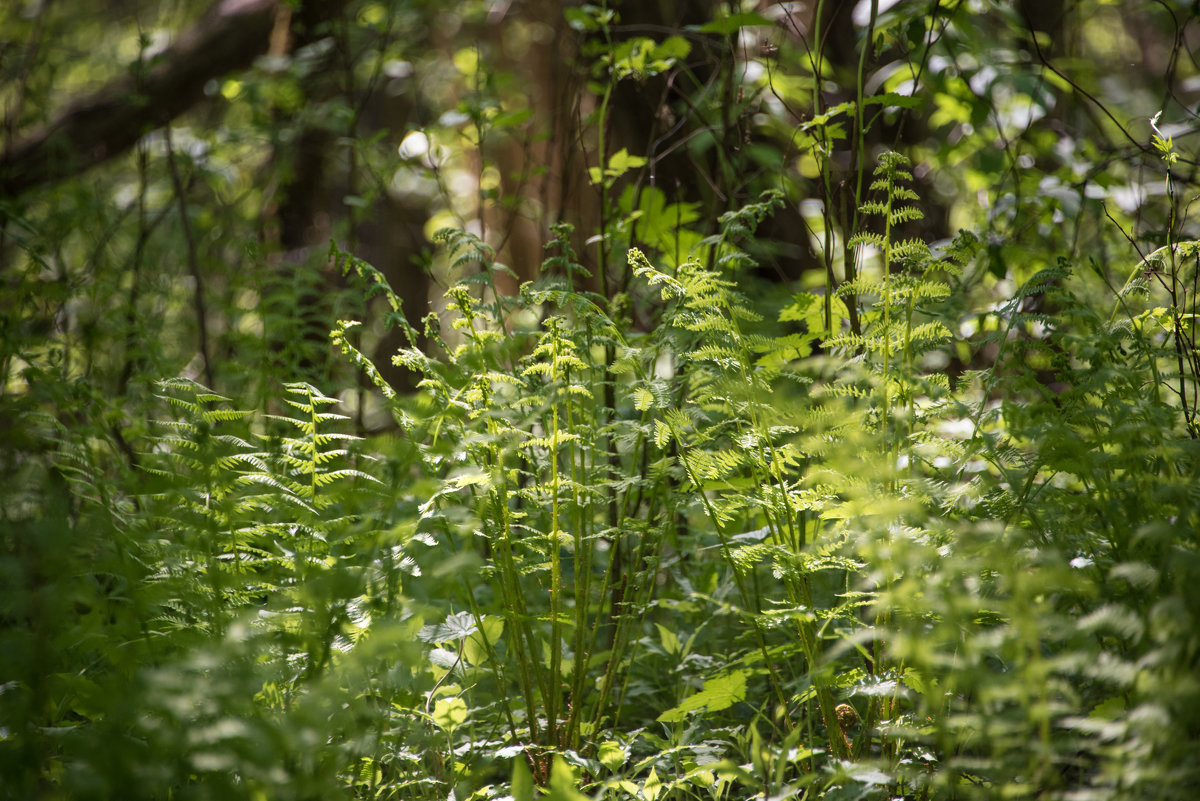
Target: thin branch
(198, 304)
(1085, 93)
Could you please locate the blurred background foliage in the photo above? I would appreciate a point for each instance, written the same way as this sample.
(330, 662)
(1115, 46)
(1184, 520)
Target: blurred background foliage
(232, 566)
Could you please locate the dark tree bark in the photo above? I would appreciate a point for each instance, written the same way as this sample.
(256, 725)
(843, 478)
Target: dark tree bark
(108, 122)
(319, 174)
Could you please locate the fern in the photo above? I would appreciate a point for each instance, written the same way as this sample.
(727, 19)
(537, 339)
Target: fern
(252, 524)
(892, 337)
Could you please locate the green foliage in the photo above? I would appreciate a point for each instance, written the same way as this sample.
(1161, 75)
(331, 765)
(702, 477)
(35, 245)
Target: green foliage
(1054, 663)
(762, 486)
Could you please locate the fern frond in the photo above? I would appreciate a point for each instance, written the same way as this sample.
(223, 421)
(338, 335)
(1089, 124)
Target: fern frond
(910, 250)
(903, 214)
(339, 338)
(931, 332)
(866, 238)
(862, 285)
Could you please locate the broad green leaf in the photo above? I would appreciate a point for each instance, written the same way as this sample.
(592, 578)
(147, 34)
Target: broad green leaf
(719, 693)
(800, 308)
(454, 628)
(564, 786)
(580, 20)
(475, 649)
(611, 755)
(734, 22)
(449, 713)
(512, 119)
(672, 48)
(652, 787)
(670, 640)
(892, 99)
(620, 162)
(522, 780)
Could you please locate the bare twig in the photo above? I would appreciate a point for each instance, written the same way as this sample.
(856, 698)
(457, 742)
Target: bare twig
(198, 304)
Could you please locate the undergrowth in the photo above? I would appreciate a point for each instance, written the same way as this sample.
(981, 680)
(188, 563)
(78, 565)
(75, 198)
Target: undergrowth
(688, 556)
(760, 571)
(633, 536)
